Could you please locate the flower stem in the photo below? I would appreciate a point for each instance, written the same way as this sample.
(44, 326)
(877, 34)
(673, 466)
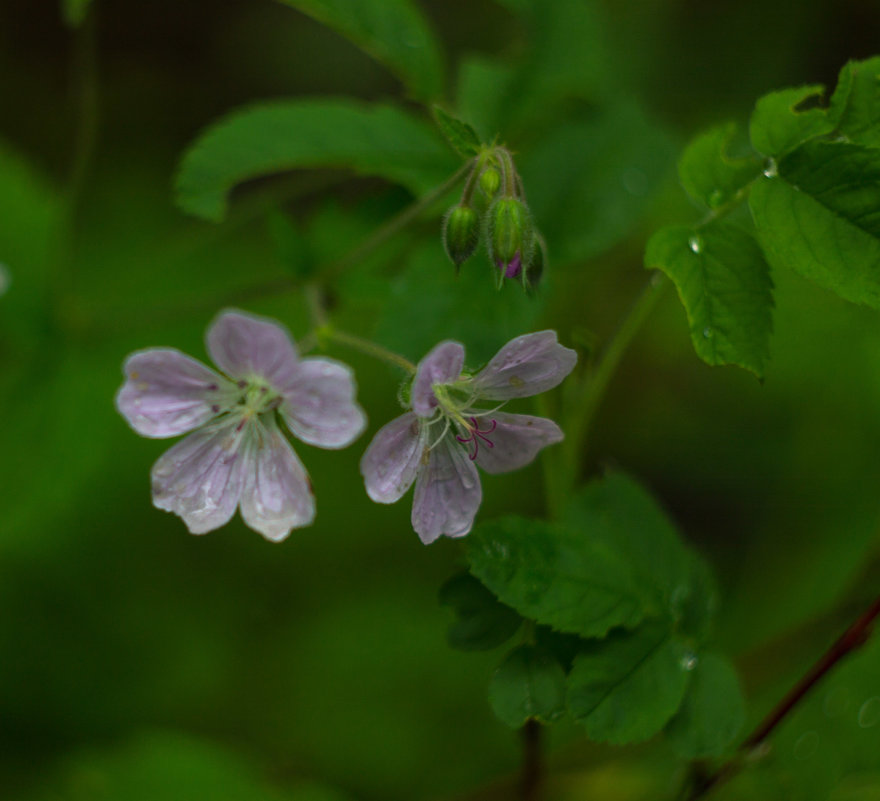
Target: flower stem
(852, 639)
(586, 393)
(530, 780)
(329, 334)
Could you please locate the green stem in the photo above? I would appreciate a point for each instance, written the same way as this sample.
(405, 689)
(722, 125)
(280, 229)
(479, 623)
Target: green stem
(585, 395)
(329, 334)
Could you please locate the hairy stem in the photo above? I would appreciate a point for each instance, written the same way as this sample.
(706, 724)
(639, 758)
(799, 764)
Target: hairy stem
(852, 639)
(330, 334)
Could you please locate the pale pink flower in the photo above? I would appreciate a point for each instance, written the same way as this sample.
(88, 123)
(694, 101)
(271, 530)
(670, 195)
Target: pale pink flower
(452, 427)
(237, 454)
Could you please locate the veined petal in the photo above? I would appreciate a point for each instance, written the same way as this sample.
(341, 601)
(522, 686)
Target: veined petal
(319, 405)
(392, 459)
(448, 493)
(167, 393)
(525, 366)
(200, 478)
(245, 346)
(277, 495)
(442, 365)
(516, 440)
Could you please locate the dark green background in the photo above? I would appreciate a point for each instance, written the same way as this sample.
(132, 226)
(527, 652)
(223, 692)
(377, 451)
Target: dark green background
(138, 661)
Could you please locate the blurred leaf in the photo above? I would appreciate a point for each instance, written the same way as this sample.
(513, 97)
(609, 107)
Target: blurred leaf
(291, 245)
(74, 11)
(590, 181)
(777, 126)
(428, 303)
(695, 603)
(725, 287)
(482, 623)
(708, 174)
(394, 32)
(625, 688)
(165, 766)
(529, 683)
(556, 576)
(819, 217)
(482, 92)
(616, 513)
(461, 136)
(371, 140)
(856, 102)
(713, 712)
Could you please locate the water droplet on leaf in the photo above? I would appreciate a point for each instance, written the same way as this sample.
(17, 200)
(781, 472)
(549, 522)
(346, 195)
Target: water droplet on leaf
(695, 244)
(770, 171)
(869, 713)
(707, 332)
(688, 661)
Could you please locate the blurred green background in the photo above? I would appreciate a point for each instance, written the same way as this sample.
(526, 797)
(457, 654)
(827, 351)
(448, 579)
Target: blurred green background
(137, 661)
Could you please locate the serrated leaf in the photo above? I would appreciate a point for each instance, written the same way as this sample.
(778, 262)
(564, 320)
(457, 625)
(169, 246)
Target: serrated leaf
(74, 11)
(625, 688)
(461, 136)
(261, 140)
(394, 32)
(724, 284)
(820, 216)
(777, 126)
(713, 711)
(708, 174)
(556, 576)
(619, 514)
(856, 102)
(529, 683)
(481, 621)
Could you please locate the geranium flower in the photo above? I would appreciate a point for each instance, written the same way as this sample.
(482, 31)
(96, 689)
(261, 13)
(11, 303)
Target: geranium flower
(236, 454)
(452, 427)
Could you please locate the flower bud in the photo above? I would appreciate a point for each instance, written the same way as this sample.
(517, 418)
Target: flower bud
(510, 237)
(461, 233)
(531, 275)
(490, 181)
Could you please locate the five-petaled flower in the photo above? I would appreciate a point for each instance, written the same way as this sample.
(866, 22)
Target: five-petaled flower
(452, 427)
(236, 454)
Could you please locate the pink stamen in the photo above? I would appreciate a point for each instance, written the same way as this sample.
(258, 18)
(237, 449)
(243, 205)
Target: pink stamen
(476, 432)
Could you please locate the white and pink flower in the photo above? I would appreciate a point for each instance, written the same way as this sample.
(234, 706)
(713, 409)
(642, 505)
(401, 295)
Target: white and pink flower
(237, 455)
(452, 427)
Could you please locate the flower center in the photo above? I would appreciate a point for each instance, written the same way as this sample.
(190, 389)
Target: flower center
(256, 398)
(477, 434)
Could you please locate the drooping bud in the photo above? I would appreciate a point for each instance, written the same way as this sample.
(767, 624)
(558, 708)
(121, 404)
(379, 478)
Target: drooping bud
(533, 272)
(509, 236)
(490, 181)
(461, 233)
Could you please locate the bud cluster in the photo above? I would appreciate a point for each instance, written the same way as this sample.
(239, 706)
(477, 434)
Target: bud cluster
(493, 210)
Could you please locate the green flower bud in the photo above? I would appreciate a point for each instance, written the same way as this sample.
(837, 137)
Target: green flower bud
(490, 181)
(461, 233)
(509, 235)
(531, 275)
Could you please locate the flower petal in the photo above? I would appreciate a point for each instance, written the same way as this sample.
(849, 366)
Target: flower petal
(167, 393)
(516, 440)
(277, 495)
(390, 463)
(200, 478)
(448, 493)
(319, 405)
(249, 347)
(525, 366)
(442, 365)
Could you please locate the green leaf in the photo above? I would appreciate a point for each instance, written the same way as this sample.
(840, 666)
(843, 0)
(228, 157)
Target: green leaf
(625, 688)
(589, 181)
(819, 217)
(75, 11)
(529, 683)
(724, 284)
(291, 245)
(394, 32)
(695, 602)
(617, 513)
(556, 576)
(372, 140)
(482, 623)
(856, 102)
(461, 136)
(777, 126)
(713, 712)
(708, 174)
